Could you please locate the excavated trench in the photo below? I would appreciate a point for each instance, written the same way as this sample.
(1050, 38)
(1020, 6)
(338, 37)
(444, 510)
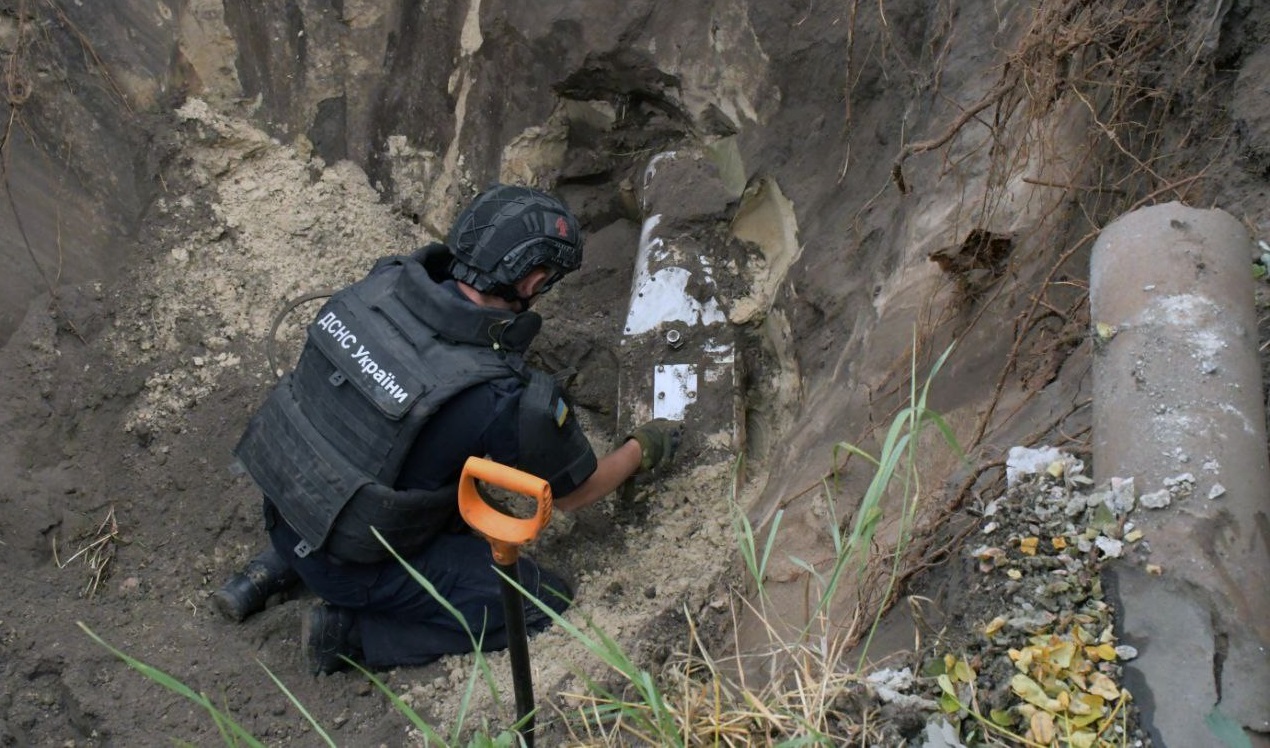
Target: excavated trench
(816, 202)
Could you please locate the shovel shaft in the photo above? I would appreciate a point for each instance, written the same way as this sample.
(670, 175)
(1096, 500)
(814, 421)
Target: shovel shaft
(518, 649)
(506, 534)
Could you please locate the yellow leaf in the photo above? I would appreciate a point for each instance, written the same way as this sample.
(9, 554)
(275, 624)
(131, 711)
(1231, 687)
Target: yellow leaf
(963, 672)
(1059, 543)
(1051, 684)
(1041, 728)
(1062, 655)
(1014, 574)
(1064, 700)
(1081, 739)
(1027, 546)
(1105, 331)
(1031, 692)
(949, 663)
(1022, 659)
(1055, 469)
(1154, 569)
(1078, 677)
(995, 625)
(1076, 705)
(1133, 536)
(1106, 652)
(1091, 709)
(1101, 685)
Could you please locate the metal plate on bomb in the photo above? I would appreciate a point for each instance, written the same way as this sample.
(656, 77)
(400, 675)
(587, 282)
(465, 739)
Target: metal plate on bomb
(674, 388)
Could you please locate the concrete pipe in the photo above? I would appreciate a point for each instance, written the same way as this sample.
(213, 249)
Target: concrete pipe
(1178, 407)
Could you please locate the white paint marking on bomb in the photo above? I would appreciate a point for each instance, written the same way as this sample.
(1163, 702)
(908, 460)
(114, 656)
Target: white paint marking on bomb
(662, 297)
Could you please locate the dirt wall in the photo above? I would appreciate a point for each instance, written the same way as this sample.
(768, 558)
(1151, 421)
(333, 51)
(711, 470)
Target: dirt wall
(223, 156)
(79, 154)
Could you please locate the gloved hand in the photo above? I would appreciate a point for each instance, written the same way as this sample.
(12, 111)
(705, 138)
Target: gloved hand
(658, 439)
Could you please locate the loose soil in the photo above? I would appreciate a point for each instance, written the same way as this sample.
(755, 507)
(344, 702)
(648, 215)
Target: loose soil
(120, 404)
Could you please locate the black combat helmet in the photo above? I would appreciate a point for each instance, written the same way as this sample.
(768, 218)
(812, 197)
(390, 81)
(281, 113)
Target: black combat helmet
(508, 231)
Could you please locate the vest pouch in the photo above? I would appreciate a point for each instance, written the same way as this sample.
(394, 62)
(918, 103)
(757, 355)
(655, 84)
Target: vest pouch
(308, 481)
(407, 519)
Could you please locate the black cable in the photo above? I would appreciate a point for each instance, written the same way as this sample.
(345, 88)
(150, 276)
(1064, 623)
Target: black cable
(271, 342)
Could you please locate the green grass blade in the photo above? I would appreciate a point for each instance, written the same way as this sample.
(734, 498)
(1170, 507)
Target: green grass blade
(946, 431)
(222, 720)
(661, 722)
(477, 648)
(849, 448)
(429, 732)
(298, 705)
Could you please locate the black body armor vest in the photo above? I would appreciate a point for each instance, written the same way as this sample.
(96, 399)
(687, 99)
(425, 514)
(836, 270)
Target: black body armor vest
(328, 444)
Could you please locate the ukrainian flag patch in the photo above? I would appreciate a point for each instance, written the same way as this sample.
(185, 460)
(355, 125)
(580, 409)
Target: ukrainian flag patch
(562, 412)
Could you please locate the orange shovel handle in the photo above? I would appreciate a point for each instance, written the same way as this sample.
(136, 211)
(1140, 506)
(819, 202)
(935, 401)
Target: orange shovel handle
(504, 532)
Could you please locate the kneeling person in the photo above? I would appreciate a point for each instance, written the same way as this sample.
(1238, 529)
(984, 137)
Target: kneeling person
(404, 375)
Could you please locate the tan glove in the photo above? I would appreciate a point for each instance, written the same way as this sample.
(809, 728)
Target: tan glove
(658, 440)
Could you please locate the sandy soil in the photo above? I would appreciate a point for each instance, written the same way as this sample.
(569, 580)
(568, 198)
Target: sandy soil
(121, 513)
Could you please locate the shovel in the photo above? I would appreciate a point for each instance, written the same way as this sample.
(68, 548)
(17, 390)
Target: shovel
(506, 534)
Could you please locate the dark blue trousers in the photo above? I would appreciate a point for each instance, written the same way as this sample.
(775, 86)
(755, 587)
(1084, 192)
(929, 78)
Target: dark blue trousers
(400, 623)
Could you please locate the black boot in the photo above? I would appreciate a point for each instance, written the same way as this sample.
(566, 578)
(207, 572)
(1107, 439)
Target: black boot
(245, 593)
(329, 634)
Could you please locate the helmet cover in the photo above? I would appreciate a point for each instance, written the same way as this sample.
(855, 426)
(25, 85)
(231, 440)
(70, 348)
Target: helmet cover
(506, 232)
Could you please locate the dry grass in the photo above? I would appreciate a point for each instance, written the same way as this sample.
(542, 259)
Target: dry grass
(96, 551)
(818, 700)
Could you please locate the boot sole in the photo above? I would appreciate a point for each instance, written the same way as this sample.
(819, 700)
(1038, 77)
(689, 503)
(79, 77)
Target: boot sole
(226, 606)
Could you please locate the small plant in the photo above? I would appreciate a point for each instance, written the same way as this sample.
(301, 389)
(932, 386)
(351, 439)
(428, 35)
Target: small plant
(754, 557)
(896, 466)
(649, 716)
